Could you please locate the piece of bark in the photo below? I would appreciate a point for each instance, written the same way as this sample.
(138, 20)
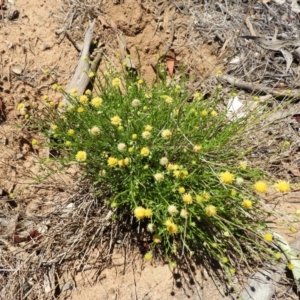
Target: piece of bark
(80, 79)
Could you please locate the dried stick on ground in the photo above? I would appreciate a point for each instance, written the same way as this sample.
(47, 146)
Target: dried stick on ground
(258, 88)
(80, 79)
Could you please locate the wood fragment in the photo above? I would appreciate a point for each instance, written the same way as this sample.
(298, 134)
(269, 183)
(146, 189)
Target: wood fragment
(259, 88)
(250, 26)
(80, 79)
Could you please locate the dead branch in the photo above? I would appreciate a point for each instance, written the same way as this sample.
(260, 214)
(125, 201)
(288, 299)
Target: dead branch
(80, 79)
(260, 89)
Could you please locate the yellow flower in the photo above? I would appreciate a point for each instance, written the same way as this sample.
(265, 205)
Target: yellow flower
(184, 213)
(268, 237)
(210, 210)
(73, 91)
(233, 192)
(95, 130)
(181, 190)
(140, 81)
(187, 198)
(88, 92)
(91, 74)
(181, 174)
(97, 102)
(81, 156)
(298, 212)
(136, 102)
(243, 165)
(112, 161)
(121, 163)
(156, 239)
(134, 136)
(219, 72)
(45, 97)
(116, 120)
(71, 132)
(34, 142)
(70, 108)
(197, 148)
(139, 212)
(121, 147)
(197, 96)
(226, 177)
(116, 82)
(47, 72)
(214, 113)
(21, 106)
(148, 256)
(247, 204)
(168, 99)
(54, 127)
(145, 151)
(171, 227)
(199, 198)
(130, 150)
(126, 161)
(68, 143)
(291, 266)
(148, 127)
(282, 186)
(204, 113)
(159, 177)
(146, 167)
(61, 104)
(80, 109)
(239, 180)
(232, 271)
(120, 128)
(148, 95)
(168, 222)
(277, 255)
(83, 99)
(148, 212)
(224, 260)
(146, 135)
(172, 167)
(206, 196)
(260, 186)
(163, 161)
(150, 227)
(172, 210)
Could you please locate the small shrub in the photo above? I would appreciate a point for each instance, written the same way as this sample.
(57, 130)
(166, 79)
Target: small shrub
(172, 161)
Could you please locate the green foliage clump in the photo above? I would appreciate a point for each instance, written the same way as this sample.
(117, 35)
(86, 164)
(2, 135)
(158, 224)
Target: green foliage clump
(171, 160)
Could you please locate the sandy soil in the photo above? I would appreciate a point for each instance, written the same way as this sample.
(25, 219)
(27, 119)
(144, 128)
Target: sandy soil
(30, 42)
